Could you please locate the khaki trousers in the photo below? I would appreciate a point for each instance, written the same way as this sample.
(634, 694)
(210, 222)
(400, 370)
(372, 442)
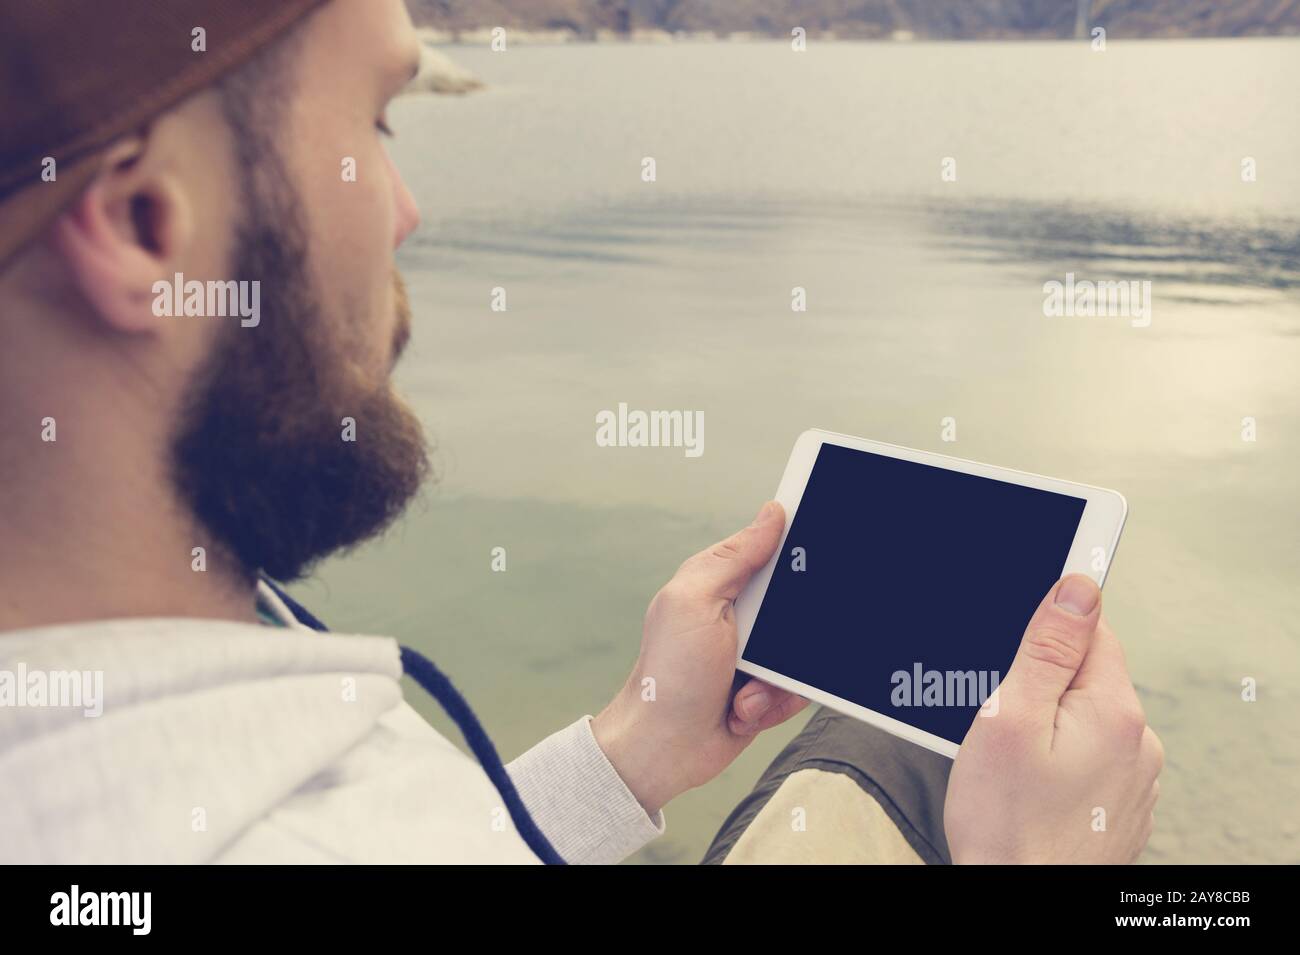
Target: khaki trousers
(842, 792)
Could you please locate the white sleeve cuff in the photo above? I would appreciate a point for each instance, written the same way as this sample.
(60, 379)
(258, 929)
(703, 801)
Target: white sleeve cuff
(578, 799)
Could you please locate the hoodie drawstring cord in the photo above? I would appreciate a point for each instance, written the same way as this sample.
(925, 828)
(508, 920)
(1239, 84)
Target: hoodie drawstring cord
(423, 671)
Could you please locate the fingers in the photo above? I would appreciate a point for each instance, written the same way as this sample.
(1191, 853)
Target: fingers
(1148, 818)
(754, 699)
(757, 707)
(1104, 671)
(723, 569)
(1054, 647)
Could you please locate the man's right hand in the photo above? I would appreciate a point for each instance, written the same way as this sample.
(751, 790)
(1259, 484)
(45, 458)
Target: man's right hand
(1066, 768)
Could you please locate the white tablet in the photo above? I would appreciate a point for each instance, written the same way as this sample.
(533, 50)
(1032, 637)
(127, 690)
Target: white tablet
(905, 579)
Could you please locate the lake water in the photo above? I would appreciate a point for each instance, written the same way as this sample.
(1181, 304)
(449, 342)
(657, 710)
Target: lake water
(925, 300)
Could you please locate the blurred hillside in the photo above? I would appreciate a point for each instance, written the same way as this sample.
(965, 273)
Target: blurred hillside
(922, 19)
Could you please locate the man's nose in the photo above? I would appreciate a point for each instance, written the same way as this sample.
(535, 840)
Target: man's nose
(408, 214)
(407, 219)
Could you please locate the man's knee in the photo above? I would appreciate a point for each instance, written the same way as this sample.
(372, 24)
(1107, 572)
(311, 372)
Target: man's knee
(841, 791)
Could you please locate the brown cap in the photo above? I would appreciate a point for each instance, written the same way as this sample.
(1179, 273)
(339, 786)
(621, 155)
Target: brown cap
(77, 74)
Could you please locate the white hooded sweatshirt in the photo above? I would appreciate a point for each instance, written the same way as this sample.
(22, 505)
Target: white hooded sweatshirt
(239, 743)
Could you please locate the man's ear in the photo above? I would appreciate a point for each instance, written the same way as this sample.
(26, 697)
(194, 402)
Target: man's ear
(123, 234)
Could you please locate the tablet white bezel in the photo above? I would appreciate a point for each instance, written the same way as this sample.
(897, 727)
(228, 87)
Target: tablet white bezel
(1100, 526)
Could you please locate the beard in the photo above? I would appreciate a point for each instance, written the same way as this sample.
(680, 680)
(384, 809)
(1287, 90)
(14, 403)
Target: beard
(260, 455)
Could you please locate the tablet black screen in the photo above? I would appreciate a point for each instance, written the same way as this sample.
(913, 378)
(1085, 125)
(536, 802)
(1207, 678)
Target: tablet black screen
(913, 587)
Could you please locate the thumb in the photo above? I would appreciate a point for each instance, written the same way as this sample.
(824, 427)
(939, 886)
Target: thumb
(1054, 645)
(723, 569)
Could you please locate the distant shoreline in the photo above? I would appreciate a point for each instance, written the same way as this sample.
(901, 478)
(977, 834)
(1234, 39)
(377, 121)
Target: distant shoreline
(483, 37)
